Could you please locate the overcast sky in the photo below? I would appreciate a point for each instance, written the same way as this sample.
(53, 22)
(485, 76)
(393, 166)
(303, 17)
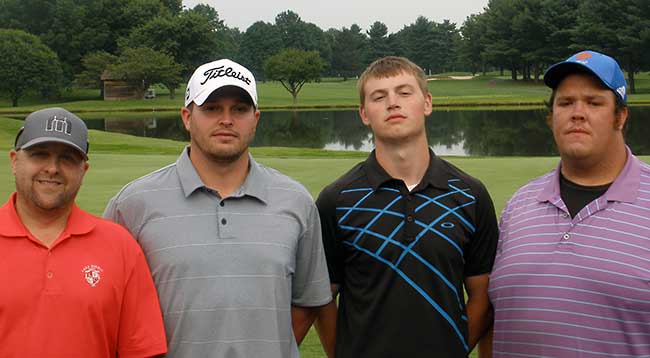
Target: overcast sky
(339, 13)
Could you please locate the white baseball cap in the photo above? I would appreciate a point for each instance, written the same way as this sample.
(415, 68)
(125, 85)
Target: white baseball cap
(211, 76)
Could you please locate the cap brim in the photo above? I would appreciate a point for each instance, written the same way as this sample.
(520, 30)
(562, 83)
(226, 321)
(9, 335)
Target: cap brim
(556, 73)
(40, 140)
(231, 91)
(201, 97)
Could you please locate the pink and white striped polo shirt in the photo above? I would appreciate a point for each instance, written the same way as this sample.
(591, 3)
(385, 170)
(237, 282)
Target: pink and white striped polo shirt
(578, 287)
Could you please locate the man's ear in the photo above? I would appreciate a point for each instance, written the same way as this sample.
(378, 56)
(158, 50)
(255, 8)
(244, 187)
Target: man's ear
(186, 116)
(362, 114)
(621, 119)
(13, 155)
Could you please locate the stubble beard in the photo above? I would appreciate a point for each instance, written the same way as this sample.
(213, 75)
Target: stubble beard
(48, 202)
(218, 154)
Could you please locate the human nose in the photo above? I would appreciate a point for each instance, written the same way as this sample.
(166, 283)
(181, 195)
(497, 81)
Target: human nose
(393, 100)
(226, 119)
(578, 110)
(51, 165)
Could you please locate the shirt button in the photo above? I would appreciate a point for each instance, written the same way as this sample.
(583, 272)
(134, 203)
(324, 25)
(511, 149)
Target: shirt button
(223, 221)
(50, 274)
(566, 236)
(409, 197)
(222, 204)
(564, 215)
(409, 218)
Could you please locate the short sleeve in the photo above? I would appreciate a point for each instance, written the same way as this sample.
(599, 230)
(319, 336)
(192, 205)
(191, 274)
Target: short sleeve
(111, 212)
(310, 286)
(142, 333)
(128, 213)
(334, 254)
(482, 248)
(504, 223)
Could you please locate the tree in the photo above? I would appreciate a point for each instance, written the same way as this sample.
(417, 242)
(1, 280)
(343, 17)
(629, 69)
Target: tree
(296, 33)
(446, 42)
(26, 65)
(473, 43)
(73, 28)
(94, 64)
(293, 68)
(418, 40)
(144, 67)
(625, 36)
(138, 12)
(429, 44)
(348, 51)
(260, 41)
(531, 33)
(378, 45)
(501, 49)
(191, 38)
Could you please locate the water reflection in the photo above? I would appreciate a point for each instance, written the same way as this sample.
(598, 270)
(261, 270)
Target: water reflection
(464, 133)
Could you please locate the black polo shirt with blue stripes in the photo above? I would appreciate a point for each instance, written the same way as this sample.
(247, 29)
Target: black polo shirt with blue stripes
(401, 258)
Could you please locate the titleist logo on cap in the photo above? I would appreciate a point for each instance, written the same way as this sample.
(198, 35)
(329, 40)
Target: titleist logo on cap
(227, 72)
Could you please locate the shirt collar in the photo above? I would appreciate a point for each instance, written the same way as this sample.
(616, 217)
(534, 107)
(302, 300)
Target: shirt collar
(624, 188)
(436, 174)
(190, 180)
(79, 222)
(255, 184)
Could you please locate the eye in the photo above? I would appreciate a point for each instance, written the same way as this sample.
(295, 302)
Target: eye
(67, 158)
(378, 98)
(241, 109)
(38, 154)
(405, 93)
(209, 108)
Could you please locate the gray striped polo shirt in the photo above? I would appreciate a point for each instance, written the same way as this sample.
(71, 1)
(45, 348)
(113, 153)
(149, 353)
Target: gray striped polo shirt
(227, 270)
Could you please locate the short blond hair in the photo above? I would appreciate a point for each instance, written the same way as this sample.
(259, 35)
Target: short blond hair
(390, 66)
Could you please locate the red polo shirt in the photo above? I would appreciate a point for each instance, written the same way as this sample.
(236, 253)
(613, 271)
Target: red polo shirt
(90, 295)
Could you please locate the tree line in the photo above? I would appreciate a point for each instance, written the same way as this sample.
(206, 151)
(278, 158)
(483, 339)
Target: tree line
(160, 42)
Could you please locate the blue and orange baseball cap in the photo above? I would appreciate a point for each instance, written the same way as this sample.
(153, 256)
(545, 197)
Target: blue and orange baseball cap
(605, 68)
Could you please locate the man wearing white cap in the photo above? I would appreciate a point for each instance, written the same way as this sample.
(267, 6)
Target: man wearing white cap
(73, 285)
(234, 247)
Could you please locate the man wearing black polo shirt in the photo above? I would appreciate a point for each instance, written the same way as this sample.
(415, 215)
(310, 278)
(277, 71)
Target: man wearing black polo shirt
(404, 233)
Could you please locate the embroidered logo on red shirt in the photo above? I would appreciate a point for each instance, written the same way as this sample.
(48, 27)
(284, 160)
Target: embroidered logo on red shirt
(92, 274)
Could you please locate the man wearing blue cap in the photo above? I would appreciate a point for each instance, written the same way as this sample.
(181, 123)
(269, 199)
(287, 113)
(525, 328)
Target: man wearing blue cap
(572, 272)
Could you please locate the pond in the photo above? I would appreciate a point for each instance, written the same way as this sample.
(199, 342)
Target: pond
(454, 132)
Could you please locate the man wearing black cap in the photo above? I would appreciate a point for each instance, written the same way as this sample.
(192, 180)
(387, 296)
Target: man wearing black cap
(572, 272)
(234, 246)
(73, 285)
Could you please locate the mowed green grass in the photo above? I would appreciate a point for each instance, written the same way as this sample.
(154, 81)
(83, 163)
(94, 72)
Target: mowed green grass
(116, 159)
(487, 90)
